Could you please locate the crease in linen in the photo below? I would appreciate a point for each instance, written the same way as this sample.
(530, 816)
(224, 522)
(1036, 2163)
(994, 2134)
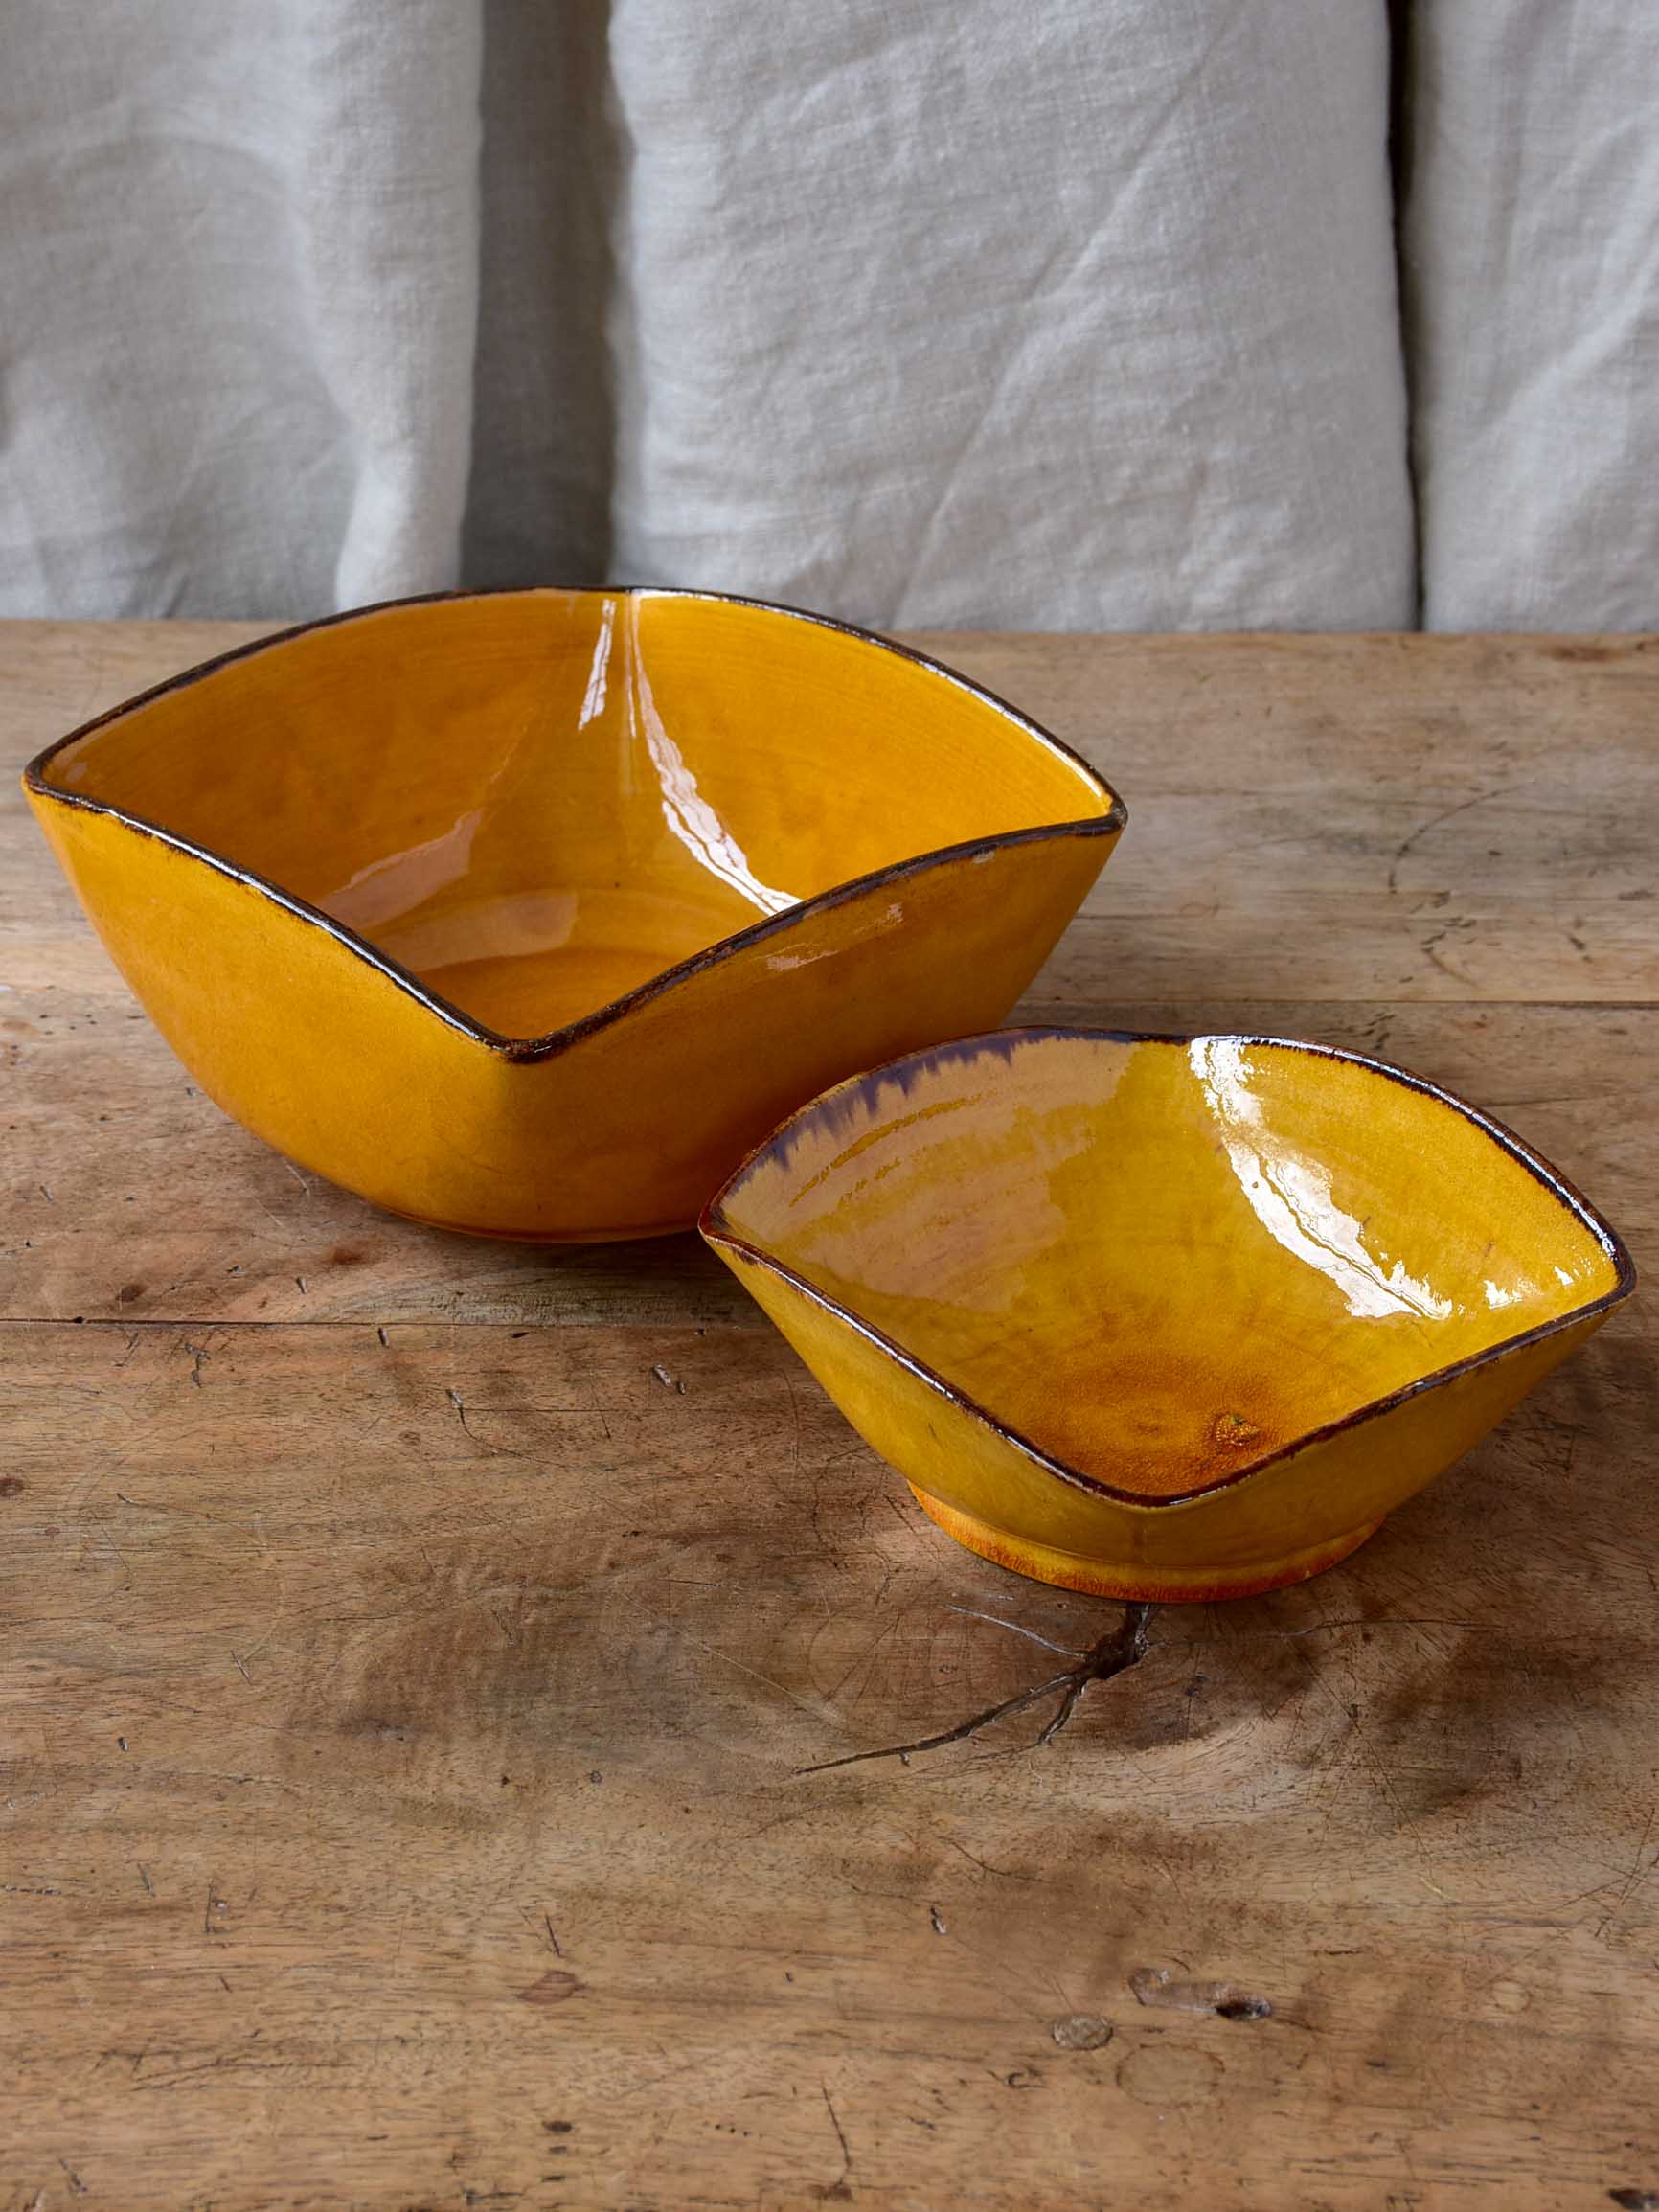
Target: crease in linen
(1530, 259)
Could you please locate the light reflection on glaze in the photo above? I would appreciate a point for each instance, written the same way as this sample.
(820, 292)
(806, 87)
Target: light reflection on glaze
(392, 886)
(593, 698)
(529, 955)
(685, 810)
(1291, 1196)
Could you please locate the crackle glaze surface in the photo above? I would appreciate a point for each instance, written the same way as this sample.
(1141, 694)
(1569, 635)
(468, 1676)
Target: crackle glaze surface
(1160, 1317)
(527, 913)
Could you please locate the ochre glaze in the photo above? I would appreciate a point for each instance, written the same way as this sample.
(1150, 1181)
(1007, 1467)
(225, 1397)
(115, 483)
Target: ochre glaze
(1137, 1580)
(1154, 1317)
(528, 913)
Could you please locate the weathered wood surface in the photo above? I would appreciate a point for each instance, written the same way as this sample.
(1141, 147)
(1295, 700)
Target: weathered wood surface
(406, 1692)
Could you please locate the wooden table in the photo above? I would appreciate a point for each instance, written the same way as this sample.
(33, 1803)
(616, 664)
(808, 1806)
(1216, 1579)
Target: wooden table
(407, 1695)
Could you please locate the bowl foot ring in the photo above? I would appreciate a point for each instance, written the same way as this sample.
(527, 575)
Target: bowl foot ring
(1131, 1585)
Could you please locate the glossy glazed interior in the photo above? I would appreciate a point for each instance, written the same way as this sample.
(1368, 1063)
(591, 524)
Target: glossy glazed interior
(536, 802)
(1161, 1263)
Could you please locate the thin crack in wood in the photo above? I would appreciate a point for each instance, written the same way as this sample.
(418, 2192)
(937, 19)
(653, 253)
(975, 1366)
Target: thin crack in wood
(996, 1621)
(840, 2187)
(1123, 1646)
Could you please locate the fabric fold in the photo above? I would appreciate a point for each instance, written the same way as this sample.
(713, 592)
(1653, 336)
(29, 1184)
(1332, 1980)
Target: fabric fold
(1532, 281)
(240, 273)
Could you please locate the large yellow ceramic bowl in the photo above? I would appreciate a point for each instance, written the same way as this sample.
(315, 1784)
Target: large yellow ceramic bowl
(1161, 1317)
(528, 913)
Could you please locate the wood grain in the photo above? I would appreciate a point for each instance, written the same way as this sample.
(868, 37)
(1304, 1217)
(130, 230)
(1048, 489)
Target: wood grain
(407, 1693)
(1378, 818)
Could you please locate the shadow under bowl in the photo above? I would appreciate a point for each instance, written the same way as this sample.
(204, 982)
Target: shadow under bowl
(527, 913)
(1170, 1318)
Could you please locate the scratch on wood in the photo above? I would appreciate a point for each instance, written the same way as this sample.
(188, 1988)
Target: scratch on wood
(996, 1621)
(553, 1989)
(771, 1681)
(841, 2185)
(1436, 938)
(114, 1547)
(1637, 1875)
(1403, 851)
(1005, 1873)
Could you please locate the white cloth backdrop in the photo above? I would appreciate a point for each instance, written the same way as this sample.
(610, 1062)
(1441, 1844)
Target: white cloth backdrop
(1066, 316)
(922, 311)
(1532, 260)
(943, 311)
(238, 261)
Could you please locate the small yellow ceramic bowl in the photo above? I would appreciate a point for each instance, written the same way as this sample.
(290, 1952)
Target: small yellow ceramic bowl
(528, 913)
(1163, 1317)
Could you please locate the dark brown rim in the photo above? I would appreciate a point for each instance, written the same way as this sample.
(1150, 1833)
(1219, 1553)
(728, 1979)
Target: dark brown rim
(717, 1231)
(545, 1047)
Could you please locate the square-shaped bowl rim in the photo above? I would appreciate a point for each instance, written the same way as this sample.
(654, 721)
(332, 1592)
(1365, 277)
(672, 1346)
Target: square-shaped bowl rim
(718, 1232)
(1111, 822)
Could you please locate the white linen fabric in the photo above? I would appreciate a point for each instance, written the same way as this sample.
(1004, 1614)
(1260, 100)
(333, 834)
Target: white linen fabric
(1065, 317)
(238, 254)
(919, 311)
(1530, 236)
